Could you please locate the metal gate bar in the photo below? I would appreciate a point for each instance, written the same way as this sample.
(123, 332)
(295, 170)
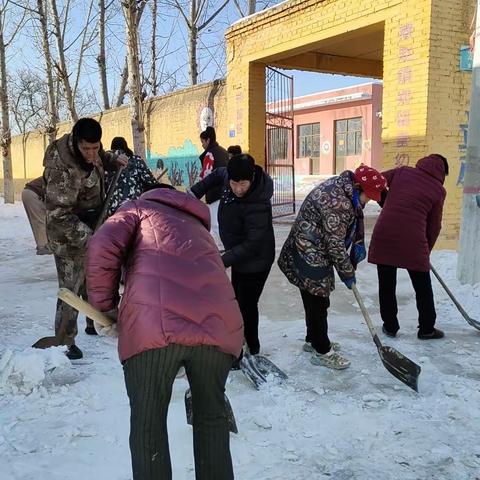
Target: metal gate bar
(279, 154)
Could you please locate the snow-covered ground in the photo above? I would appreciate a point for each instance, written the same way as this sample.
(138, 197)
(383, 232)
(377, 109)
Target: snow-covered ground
(59, 420)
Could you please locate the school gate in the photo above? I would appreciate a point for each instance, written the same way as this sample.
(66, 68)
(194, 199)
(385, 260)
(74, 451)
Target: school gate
(412, 45)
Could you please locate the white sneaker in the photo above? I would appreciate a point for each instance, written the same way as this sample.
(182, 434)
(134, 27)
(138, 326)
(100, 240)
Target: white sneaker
(330, 360)
(307, 347)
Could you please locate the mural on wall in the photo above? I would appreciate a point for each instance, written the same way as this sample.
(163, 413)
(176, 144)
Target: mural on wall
(182, 163)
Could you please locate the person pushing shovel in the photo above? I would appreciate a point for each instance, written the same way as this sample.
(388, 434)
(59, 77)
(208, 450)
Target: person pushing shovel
(329, 223)
(178, 310)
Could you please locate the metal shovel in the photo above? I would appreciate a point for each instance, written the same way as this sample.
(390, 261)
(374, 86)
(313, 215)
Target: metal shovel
(474, 323)
(395, 362)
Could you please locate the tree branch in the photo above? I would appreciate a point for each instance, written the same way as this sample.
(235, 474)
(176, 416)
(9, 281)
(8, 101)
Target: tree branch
(201, 27)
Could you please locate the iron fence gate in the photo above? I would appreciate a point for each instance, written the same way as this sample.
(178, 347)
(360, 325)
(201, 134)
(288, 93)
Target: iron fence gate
(279, 154)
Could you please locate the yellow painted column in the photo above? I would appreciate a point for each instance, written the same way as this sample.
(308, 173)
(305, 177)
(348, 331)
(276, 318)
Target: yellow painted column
(246, 101)
(425, 94)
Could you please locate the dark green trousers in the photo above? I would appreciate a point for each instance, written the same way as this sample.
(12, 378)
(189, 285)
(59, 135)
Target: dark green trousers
(149, 378)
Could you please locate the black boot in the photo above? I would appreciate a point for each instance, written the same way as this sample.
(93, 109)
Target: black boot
(90, 329)
(432, 335)
(236, 362)
(74, 353)
(387, 333)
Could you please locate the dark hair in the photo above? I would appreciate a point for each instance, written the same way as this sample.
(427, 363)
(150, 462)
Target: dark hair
(119, 143)
(445, 163)
(234, 149)
(160, 164)
(87, 130)
(209, 133)
(241, 167)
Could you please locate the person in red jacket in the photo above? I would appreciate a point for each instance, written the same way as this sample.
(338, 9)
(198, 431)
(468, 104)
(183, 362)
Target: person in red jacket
(404, 236)
(178, 309)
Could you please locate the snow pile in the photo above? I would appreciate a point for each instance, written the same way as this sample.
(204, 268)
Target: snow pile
(23, 372)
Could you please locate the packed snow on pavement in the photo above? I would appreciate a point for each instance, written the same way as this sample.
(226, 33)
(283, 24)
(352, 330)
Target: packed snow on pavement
(62, 419)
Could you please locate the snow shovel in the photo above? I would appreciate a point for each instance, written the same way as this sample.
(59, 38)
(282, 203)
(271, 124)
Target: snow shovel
(232, 424)
(470, 320)
(396, 363)
(59, 338)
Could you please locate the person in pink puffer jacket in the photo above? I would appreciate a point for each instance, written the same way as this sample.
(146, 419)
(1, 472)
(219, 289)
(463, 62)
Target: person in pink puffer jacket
(178, 309)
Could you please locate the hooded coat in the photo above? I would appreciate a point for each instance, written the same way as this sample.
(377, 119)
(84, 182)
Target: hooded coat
(176, 288)
(245, 223)
(217, 157)
(411, 218)
(317, 241)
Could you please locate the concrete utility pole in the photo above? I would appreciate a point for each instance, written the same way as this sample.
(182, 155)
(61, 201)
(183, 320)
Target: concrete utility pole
(468, 270)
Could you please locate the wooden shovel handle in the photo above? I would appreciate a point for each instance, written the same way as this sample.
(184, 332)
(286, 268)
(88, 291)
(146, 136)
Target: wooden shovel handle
(84, 307)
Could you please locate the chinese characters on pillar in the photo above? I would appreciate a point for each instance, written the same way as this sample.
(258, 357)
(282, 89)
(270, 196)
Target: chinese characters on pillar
(404, 97)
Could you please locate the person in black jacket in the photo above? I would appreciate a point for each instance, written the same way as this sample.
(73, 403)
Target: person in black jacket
(246, 230)
(214, 156)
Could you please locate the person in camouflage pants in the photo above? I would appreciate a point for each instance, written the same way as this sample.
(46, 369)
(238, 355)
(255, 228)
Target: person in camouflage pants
(74, 194)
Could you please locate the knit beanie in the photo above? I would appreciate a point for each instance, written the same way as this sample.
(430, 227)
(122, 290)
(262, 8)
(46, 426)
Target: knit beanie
(371, 181)
(241, 167)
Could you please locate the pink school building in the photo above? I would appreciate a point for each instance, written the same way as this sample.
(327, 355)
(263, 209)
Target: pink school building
(338, 129)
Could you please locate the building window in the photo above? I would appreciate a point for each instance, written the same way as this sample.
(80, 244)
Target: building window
(349, 136)
(308, 143)
(278, 143)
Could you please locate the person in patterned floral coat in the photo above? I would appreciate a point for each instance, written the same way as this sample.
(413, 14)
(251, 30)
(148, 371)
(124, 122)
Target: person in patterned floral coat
(328, 233)
(135, 179)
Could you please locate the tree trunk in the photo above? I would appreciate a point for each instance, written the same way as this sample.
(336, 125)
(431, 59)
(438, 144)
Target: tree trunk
(51, 127)
(134, 83)
(252, 6)
(6, 138)
(192, 55)
(101, 58)
(192, 43)
(122, 91)
(154, 47)
(62, 64)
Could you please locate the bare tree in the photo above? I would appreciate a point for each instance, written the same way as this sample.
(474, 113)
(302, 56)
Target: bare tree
(28, 105)
(6, 135)
(249, 7)
(131, 12)
(62, 63)
(122, 91)
(153, 76)
(196, 20)
(51, 125)
(101, 57)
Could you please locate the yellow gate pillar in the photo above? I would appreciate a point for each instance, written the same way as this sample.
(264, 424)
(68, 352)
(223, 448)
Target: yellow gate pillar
(246, 105)
(425, 93)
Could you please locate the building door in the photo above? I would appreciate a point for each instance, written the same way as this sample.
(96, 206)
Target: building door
(279, 153)
(348, 141)
(308, 145)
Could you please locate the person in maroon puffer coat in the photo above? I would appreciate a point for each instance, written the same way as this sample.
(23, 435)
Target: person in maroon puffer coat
(178, 309)
(404, 236)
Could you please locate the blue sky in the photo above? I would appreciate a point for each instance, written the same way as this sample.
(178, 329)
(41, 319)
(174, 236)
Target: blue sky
(308, 82)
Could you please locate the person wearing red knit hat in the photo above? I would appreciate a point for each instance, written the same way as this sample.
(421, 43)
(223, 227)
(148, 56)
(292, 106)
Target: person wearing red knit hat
(328, 233)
